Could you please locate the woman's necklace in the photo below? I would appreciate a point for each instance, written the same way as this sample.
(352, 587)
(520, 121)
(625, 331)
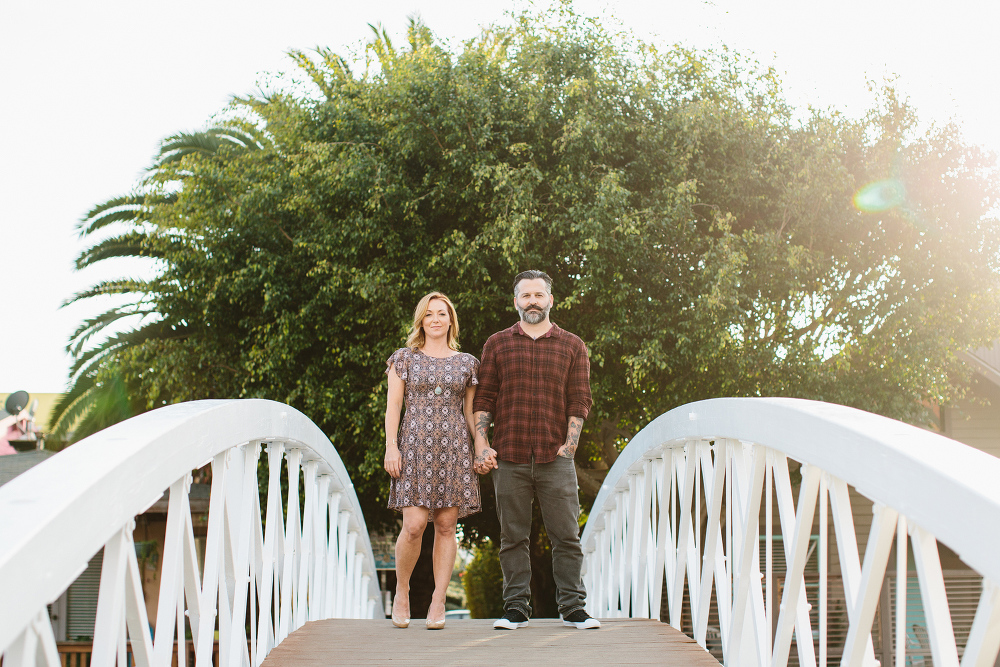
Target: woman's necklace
(437, 390)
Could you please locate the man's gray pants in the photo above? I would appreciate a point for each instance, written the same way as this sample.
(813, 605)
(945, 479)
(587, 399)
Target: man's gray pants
(554, 483)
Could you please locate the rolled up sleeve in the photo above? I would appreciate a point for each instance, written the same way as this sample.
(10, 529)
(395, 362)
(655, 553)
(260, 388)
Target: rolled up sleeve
(578, 398)
(489, 381)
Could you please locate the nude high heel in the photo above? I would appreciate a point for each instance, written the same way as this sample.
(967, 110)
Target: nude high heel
(399, 620)
(432, 624)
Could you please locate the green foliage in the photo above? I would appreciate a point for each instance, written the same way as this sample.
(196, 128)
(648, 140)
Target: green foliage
(98, 399)
(483, 581)
(703, 241)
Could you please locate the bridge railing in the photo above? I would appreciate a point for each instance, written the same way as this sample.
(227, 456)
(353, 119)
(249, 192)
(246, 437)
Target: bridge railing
(701, 504)
(304, 561)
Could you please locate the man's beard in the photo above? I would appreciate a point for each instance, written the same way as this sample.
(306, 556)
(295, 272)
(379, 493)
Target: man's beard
(533, 316)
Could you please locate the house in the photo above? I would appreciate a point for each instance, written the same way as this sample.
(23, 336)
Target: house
(975, 420)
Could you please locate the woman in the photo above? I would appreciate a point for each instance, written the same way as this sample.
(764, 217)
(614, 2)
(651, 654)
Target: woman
(429, 455)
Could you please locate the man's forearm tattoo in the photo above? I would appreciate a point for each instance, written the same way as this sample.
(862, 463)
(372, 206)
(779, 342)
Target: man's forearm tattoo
(573, 431)
(483, 423)
(572, 436)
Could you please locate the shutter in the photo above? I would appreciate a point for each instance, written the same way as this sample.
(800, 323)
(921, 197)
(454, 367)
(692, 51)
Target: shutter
(963, 588)
(81, 607)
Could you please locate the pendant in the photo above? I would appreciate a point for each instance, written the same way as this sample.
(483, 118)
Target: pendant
(437, 390)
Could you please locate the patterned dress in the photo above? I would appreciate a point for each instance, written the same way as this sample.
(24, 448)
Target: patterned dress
(433, 437)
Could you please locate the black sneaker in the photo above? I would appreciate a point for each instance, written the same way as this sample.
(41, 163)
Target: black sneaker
(581, 620)
(511, 620)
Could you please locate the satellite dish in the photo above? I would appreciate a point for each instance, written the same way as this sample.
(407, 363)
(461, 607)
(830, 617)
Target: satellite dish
(16, 402)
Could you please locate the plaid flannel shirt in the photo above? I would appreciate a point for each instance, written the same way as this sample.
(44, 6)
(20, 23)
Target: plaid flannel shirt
(532, 387)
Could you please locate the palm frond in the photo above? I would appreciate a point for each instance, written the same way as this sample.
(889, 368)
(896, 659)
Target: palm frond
(71, 405)
(105, 317)
(254, 102)
(122, 286)
(95, 325)
(161, 198)
(244, 134)
(154, 330)
(175, 147)
(124, 208)
(337, 64)
(107, 403)
(91, 367)
(418, 34)
(315, 73)
(253, 133)
(133, 243)
(382, 45)
(114, 202)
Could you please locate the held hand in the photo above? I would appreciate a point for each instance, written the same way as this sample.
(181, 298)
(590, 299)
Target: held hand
(486, 459)
(393, 461)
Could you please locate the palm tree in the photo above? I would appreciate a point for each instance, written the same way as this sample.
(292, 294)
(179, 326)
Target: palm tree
(98, 395)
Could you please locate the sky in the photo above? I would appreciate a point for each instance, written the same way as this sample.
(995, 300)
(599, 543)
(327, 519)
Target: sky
(90, 89)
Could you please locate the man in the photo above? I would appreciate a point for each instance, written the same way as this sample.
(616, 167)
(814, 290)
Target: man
(534, 385)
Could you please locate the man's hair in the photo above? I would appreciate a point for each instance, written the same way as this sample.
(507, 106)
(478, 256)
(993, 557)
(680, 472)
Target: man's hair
(533, 275)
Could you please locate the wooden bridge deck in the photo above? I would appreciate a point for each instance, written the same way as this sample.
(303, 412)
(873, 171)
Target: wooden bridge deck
(545, 641)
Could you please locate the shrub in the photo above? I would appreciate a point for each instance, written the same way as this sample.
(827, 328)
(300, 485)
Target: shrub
(484, 582)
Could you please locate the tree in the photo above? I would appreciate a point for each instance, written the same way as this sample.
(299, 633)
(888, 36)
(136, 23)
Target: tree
(703, 237)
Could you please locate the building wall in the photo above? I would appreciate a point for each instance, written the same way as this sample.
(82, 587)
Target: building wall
(46, 402)
(976, 420)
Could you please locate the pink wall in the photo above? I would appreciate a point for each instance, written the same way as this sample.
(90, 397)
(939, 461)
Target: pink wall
(12, 432)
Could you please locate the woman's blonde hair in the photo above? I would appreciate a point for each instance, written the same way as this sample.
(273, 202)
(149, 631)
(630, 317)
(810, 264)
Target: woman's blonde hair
(416, 339)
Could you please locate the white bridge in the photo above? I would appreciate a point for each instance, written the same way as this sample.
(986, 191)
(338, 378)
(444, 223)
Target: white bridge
(298, 565)
(716, 518)
(701, 505)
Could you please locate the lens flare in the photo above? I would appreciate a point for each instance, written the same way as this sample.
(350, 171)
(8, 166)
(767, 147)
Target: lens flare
(880, 196)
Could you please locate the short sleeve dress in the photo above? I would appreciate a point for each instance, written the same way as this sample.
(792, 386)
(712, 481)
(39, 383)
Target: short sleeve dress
(433, 435)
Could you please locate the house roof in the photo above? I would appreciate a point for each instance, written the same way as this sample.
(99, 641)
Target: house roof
(986, 360)
(13, 465)
(198, 497)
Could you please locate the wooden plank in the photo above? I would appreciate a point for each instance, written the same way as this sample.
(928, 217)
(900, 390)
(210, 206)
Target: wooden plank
(475, 642)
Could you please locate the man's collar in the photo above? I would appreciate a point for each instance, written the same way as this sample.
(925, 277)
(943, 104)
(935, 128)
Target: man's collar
(553, 331)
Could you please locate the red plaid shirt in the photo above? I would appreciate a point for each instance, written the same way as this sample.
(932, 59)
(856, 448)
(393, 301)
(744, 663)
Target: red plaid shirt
(532, 387)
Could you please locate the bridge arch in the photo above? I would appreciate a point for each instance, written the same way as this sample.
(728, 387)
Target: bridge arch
(303, 563)
(690, 505)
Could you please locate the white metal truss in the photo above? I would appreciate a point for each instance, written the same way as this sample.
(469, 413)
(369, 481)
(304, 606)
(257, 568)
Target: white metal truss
(689, 509)
(260, 578)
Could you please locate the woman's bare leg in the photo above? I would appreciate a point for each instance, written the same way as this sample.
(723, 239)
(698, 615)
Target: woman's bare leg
(445, 549)
(407, 553)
